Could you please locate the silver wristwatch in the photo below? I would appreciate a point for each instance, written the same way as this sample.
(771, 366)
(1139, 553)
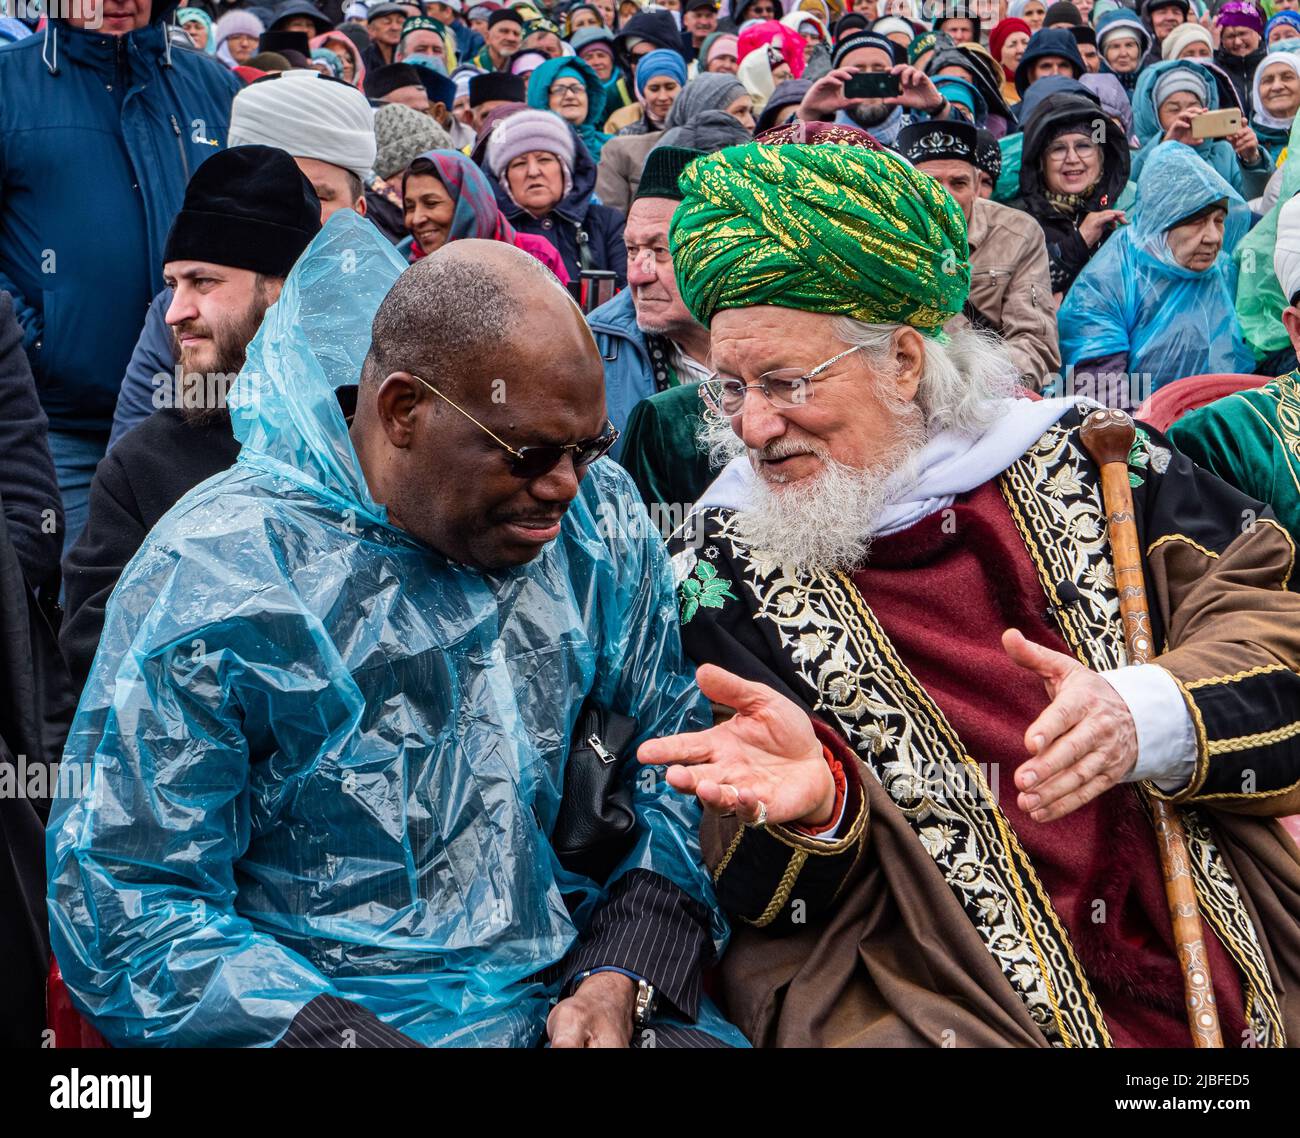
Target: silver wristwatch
(645, 1003)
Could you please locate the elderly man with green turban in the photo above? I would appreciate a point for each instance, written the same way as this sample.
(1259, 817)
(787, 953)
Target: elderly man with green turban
(926, 815)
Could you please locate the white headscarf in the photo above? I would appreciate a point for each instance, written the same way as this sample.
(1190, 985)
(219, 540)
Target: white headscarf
(1262, 117)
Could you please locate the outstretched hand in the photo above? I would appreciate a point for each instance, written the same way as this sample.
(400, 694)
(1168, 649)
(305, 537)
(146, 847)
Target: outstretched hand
(1083, 743)
(766, 753)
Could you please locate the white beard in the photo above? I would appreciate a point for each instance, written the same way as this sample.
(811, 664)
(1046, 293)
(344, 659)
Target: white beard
(824, 522)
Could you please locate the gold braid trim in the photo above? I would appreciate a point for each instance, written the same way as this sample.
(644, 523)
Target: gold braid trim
(783, 890)
(1259, 739)
(1018, 858)
(1202, 771)
(1286, 577)
(1236, 677)
(726, 858)
(1184, 538)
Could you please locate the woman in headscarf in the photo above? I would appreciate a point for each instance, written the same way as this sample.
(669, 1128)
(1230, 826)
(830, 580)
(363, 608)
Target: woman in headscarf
(582, 16)
(1284, 25)
(544, 178)
(1033, 12)
(595, 47)
(1069, 183)
(808, 26)
(1123, 42)
(199, 27)
(697, 108)
(236, 36)
(1007, 43)
(720, 52)
(445, 197)
(1157, 301)
(354, 71)
(1168, 97)
(817, 39)
(1276, 100)
(660, 77)
(1241, 46)
(713, 112)
(571, 89)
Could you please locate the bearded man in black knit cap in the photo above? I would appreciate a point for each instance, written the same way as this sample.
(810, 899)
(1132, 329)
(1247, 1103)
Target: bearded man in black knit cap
(248, 215)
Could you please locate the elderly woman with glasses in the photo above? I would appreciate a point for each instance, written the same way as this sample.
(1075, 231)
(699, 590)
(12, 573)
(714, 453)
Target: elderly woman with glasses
(572, 89)
(1069, 182)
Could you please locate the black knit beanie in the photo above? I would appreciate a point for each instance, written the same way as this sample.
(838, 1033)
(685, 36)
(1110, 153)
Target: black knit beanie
(248, 207)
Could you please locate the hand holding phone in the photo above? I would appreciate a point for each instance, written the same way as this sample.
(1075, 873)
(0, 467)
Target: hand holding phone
(871, 85)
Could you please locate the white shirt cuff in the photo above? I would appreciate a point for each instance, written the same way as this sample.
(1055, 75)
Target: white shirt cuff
(1166, 735)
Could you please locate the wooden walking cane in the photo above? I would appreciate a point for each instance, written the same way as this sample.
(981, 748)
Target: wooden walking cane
(1108, 436)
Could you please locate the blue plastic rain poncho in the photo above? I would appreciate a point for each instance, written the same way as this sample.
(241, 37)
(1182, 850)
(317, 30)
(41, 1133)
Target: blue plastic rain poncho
(1133, 298)
(317, 757)
(1248, 182)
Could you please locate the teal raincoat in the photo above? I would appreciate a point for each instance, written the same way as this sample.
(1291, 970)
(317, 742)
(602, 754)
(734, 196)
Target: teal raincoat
(316, 757)
(1249, 183)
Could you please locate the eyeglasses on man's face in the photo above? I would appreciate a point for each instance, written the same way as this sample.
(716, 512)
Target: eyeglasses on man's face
(785, 387)
(533, 462)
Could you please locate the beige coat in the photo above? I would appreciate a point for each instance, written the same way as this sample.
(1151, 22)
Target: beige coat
(621, 163)
(1011, 287)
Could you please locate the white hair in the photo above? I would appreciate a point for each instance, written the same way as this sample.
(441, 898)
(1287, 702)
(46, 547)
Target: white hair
(827, 521)
(962, 381)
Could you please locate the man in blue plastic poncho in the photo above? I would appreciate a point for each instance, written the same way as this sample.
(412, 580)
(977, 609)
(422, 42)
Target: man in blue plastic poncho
(1156, 304)
(323, 748)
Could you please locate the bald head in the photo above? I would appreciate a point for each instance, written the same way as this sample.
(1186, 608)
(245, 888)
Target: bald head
(449, 309)
(491, 330)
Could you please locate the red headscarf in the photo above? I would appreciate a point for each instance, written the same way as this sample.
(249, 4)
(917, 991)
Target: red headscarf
(998, 39)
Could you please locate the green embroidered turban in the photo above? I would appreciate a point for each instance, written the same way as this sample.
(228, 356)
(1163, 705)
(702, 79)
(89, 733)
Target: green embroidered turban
(844, 230)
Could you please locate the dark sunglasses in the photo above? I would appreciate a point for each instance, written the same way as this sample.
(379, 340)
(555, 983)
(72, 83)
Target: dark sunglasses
(533, 462)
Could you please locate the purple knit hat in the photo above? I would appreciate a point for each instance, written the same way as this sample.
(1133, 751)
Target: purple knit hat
(1240, 14)
(530, 130)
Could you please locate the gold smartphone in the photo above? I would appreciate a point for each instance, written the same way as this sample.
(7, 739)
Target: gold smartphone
(1216, 124)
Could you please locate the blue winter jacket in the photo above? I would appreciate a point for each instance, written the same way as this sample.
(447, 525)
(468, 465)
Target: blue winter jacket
(143, 392)
(629, 374)
(98, 137)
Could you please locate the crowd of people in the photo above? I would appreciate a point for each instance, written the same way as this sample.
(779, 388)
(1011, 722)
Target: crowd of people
(572, 523)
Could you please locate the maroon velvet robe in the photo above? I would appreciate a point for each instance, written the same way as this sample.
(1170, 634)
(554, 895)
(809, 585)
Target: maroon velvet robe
(944, 590)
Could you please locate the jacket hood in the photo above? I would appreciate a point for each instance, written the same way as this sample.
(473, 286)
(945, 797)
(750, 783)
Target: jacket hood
(1053, 113)
(1174, 184)
(539, 86)
(1146, 116)
(1124, 18)
(1147, 5)
(1050, 41)
(658, 28)
(313, 340)
(1052, 85)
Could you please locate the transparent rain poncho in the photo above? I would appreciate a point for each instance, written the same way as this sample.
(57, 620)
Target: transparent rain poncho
(317, 757)
(1134, 298)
